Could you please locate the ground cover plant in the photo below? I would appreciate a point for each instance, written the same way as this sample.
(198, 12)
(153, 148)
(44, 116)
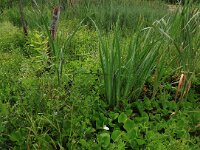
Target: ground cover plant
(108, 74)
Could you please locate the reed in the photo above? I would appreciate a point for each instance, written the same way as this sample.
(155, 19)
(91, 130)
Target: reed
(183, 33)
(126, 69)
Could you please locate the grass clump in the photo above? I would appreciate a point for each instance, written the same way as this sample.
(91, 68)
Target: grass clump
(126, 70)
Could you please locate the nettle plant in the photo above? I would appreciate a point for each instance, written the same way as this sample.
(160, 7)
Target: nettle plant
(37, 45)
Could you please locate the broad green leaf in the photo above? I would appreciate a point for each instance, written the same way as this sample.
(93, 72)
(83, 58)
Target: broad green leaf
(140, 141)
(132, 134)
(113, 115)
(104, 139)
(116, 135)
(129, 125)
(122, 118)
(128, 112)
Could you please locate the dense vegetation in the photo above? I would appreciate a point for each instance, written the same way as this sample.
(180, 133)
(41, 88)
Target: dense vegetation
(120, 74)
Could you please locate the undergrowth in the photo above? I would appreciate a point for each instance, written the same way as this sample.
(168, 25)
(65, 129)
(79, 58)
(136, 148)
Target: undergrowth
(111, 85)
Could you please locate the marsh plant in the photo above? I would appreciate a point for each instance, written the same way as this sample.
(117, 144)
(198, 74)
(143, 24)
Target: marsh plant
(127, 68)
(182, 32)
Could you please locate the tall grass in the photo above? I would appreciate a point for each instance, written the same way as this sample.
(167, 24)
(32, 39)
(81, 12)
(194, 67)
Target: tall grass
(183, 33)
(126, 69)
(105, 12)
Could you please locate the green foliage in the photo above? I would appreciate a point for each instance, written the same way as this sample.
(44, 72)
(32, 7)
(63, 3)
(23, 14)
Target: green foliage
(84, 44)
(183, 32)
(10, 37)
(104, 140)
(105, 12)
(12, 15)
(37, 43)
(36, 49)
(182, 1)
(127, 68)
(139, 68)
(155, 130)
(37, 17)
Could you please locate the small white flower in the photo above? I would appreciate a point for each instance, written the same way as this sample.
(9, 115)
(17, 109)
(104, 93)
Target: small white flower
(173, 113)
(105, 127)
